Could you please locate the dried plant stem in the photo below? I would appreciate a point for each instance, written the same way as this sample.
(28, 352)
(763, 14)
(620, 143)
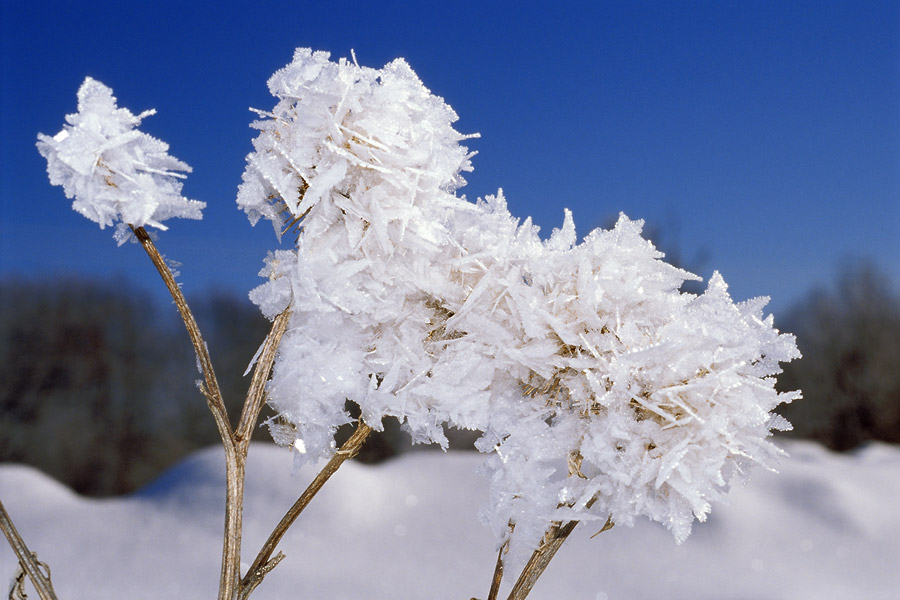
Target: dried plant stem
(498, 571)
(263, 564)
(242, 436)
(236, 442)
(27, 560)
(256, 395)
(234, 464)
(541, 557)
(236, 449)
(212, 393)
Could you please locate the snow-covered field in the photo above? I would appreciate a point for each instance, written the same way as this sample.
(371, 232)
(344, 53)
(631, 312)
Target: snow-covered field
(826, 527)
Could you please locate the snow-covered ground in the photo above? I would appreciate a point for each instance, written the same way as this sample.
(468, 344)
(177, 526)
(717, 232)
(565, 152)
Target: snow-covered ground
(826, 527)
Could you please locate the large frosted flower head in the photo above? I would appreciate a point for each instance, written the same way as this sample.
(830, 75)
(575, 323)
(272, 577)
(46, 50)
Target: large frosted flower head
(368, 159)
(117, 174)
(602, 390)
(618, 396)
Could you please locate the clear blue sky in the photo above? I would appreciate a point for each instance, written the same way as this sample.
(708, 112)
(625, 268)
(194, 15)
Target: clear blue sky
(764, 136)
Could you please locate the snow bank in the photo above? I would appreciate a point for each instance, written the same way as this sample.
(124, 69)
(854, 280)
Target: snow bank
(825, 527)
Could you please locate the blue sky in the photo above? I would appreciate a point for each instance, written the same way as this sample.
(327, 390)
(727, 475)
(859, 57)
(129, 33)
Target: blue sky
(761, 138)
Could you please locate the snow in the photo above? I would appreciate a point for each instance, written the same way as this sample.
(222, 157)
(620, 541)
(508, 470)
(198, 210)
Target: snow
(826, 527)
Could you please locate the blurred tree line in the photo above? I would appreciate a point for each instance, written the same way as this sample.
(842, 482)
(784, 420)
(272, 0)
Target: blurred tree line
(850, 371)
(98, 383)
(98, 386)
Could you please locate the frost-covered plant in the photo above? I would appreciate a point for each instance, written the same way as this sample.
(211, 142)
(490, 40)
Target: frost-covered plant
(615, 396)
(365, 162)
(117, 174)
(602, 392)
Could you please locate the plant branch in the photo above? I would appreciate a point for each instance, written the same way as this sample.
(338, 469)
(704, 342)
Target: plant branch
(541, 557)
(212, 392)
(498, 571)
(236, 455)
(234, 460)
(256, 578)
(260, 566)
(27, 560)
(257, 392)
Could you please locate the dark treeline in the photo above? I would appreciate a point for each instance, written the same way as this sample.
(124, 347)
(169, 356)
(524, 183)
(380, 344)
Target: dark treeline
(98, 383)
(850, 371)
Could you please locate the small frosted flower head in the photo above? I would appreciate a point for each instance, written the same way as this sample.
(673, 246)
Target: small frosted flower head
(117, 174)
(339, 130)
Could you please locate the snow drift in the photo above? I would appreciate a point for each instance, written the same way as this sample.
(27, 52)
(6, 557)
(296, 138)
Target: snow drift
(825, 527)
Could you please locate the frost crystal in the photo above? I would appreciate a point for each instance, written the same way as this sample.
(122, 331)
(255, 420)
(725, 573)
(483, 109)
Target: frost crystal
(363, 139)
(613, 394)
(116, 173)
(601, 389)
(365, 161)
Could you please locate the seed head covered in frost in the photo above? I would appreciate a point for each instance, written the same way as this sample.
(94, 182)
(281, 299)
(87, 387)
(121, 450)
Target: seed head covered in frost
(116, 173)
(365, 163)
(601, 389)
(377, 137)
(613, 395)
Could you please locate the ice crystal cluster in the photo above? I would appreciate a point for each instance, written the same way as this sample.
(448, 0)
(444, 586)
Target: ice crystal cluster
(601, 389)
(117, 174)
(369, 160)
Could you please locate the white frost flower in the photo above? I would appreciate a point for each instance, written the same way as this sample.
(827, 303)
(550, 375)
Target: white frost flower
(116, 173)
(368, 141)
(613, 394)
(602, 390)
(365, 162)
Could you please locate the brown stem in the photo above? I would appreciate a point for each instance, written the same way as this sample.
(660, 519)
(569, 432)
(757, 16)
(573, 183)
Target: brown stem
(214, 396)
(263, 564)
(541, 557)
(498, 571)
(234, 459)
(236, 456)
(257, 393)
(28, 560)
(229, 580)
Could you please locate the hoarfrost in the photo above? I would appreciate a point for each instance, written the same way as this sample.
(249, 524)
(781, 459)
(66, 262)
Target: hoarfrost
(116, 174)
(601, 390)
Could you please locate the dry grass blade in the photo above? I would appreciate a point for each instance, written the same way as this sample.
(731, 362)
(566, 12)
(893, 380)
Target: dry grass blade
(28, 562)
